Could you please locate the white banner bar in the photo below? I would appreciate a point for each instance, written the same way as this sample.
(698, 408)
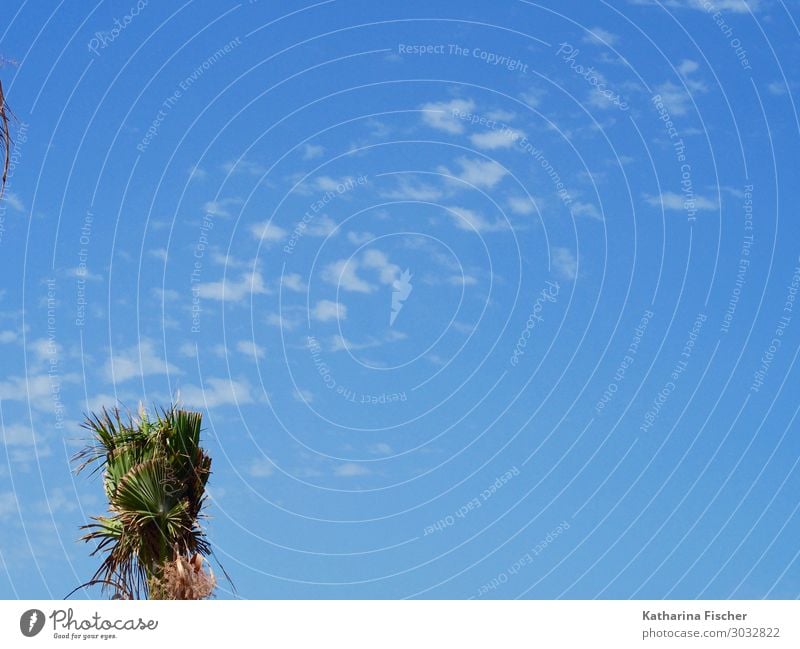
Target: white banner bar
(401, 624)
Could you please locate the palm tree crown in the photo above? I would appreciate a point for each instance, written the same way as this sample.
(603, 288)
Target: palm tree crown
(154, 476)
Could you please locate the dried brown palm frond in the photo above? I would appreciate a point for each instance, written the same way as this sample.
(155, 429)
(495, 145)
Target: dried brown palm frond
(183, 578)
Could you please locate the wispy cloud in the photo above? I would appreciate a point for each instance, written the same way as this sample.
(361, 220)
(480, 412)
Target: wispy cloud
(674, 96)
(345, 272)
(408, 190)
(311, 151)
(600, 36)
(339, 343)
(350, 470)
(294, 282)
(477, 172)
(497, 139)
(472, 221)
(521, 205)
(326, 310)
(19, 435)
(8, 505)
(244, 166)
(221, 207)
(137, 361)
(734, 6)
(234, 290)
(14, 202)
(250, 348)
(267, 231)
(676, 202)
(197, 173)
(261, 468)
(579, 208)
(439, 114)
(564, 263)
(217, 392)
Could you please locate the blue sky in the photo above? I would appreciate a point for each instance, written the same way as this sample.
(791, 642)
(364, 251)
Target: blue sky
(479, 300)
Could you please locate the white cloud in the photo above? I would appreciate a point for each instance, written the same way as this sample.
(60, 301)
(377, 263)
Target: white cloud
(266, 231)
(500, 115)
(229, 260)
(350, 470)
(676, 202)
(250, 348)
(261, 468)
(8, 505)
(221, 207)
(101, 400)
(8, 336)
(311, 151)
(197, 173)
(83, 273)
(329, 184)
(285, 321)
(359, 238)
(598, 35)
(734, 6)
(471, 221)
(326, 310)
(294, 282)
(687, 66)
(137, 361)
(777, 88)
(497, 139)
(343, 273)
(165, 294)
(244, 166)
(377, 260)
(564, 263)
(439, 114)
(188, 349)
(37, 389)
(477, 172)
(44, 348)
(58, 500)
(339, 343)
(586, 209)
(217, 392)
(674, 97)
(533, 97)
(462, 280)
(303, 395)
(14, 201)
(521, 205)
(18, 435)
(381, 448)
(233, 290)
(159, 253)
(322, 226)
(407, 190)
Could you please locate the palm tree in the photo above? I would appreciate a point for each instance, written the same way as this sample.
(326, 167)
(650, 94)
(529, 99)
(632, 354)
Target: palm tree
(154, 476)
(6, 116)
